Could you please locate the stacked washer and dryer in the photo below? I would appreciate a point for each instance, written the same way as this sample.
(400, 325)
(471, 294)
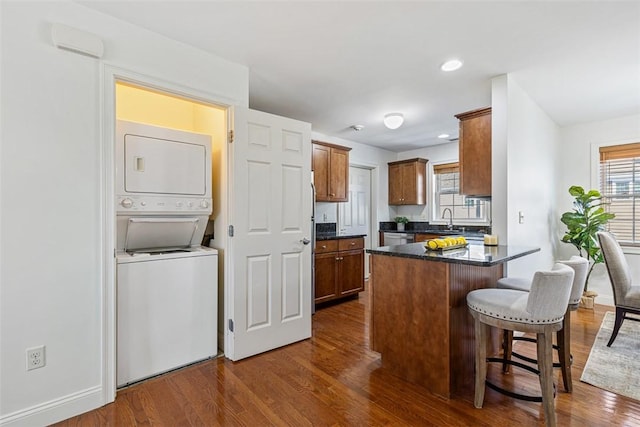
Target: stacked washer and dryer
(166, 281)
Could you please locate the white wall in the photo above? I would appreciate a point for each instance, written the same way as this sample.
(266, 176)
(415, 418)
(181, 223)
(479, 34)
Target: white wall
(524, 175)
(52, 226)
(575, 150)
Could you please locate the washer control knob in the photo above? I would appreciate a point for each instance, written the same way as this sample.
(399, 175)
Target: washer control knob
(190, 204)
(126, 203)
(143, 203)
(179, 204)
(204, 204)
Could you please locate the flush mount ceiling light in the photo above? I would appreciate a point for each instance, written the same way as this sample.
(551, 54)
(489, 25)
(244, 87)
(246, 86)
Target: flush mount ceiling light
(451, 65)
(444, 135)
(393, 120)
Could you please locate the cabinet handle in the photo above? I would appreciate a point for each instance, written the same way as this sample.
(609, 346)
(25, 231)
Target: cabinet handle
(332, 194)
(324, 246)
(353, 243)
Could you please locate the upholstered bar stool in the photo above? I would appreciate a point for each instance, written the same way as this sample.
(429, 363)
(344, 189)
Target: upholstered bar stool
(539, 311)
(563, 336)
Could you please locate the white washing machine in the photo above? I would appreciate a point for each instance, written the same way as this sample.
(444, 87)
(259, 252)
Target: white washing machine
(167, 311)
(167, 284)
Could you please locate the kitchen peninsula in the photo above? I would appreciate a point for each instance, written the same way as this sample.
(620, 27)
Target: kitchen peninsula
(419, 319)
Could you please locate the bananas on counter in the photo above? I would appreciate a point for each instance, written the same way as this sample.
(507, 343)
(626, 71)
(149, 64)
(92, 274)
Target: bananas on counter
(445, 242)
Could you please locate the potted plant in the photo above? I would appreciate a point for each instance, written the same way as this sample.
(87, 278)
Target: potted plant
(583, 222)
(400, 222)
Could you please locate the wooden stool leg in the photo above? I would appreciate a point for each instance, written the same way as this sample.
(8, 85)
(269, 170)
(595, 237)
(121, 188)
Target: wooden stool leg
(507, 349)
(563, 336)
(481, 335)
(545, 365)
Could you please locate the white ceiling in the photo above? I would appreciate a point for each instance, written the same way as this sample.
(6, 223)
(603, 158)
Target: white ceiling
(341, 63)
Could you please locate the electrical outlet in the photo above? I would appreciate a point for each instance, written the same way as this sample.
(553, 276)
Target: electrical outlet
(36, 357)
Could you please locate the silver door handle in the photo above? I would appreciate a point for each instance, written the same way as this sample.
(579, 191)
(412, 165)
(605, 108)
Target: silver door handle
(305, 241)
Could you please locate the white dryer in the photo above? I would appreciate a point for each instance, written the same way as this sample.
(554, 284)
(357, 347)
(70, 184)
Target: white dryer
(167, 284)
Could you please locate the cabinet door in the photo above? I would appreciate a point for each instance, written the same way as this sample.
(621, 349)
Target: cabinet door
(395, 185)
(325, 275)
(475, 155)
(350, 272)
(339, 175)
(423, 237)
(409, 184)
(320, 166)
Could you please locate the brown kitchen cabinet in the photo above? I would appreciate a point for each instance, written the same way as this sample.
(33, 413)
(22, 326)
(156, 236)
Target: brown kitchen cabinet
(339, 268)
(330, 165)
(475, 152)
(423, 237)
(408, 182)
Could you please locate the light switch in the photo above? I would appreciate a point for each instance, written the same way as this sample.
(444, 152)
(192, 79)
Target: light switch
(520, 218)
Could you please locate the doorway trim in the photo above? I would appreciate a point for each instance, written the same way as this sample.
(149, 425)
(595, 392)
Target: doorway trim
(109, 76)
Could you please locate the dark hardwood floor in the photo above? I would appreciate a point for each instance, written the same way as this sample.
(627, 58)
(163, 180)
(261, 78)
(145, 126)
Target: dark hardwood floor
(333, 379)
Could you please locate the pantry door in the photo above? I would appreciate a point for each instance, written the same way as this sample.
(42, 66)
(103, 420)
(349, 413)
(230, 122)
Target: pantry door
(269, 252)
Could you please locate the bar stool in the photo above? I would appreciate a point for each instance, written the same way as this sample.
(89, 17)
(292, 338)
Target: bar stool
(563, 336)
(539, 311)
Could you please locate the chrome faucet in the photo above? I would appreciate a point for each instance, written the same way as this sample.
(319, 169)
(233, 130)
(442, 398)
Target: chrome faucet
(450, 225)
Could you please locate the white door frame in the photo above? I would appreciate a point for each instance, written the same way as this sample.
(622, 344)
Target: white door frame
(110, 74)
(374, 169)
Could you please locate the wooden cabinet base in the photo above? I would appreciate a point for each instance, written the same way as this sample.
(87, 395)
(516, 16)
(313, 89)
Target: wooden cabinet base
(420, 322)
(339, 269)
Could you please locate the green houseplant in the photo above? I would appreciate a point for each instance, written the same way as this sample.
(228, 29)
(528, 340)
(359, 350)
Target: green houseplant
(401, 221)
(583, 222)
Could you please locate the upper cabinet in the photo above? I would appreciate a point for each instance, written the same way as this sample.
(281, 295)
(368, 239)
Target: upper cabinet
(330, 164)
(408, 182)
(475, 152)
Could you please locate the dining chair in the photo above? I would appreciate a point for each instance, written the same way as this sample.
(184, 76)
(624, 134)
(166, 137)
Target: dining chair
(626, 295)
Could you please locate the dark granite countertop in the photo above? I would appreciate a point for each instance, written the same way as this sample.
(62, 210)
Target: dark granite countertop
(334, 235)
(439, 232)
(474, 254)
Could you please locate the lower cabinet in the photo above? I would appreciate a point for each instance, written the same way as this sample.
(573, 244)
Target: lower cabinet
(339, 268)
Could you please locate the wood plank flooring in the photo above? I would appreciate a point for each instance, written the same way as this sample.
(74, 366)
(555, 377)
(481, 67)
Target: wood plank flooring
(333, 379)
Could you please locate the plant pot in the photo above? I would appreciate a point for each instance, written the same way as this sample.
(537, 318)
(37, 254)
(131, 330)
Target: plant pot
(400, 226)
(588, 300)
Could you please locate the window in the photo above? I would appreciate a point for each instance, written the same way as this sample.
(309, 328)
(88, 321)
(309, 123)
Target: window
(620, 188)
(446, 195)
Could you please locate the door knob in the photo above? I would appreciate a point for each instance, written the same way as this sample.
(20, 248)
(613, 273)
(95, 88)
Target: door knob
(305, 241)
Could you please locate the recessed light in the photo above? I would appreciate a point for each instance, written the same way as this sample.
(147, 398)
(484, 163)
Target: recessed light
(444, 135)
(451, 65)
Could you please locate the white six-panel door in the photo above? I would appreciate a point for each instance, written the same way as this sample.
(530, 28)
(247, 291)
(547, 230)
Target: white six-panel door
(269, 303)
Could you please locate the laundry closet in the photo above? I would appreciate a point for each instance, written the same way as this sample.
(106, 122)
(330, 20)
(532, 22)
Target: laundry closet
(168, 174)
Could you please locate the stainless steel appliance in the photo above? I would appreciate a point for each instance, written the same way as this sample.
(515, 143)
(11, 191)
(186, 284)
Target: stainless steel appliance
(395, 238)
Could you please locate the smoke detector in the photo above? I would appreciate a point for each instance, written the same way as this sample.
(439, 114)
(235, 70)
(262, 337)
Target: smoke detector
(357, 128)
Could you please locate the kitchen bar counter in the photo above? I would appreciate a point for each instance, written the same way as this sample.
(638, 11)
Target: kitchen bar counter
(474, 254)
(420, 323)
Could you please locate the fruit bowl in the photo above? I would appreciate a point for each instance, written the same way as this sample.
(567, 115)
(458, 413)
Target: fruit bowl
(446, 244)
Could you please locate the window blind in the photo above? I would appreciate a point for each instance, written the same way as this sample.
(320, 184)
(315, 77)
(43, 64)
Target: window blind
(620, 188)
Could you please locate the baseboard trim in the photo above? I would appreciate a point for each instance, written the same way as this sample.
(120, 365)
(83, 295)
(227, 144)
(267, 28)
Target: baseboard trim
(56, 410)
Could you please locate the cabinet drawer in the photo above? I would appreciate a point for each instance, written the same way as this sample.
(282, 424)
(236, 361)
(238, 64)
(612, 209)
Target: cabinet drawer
(349, 244)
(323, 246)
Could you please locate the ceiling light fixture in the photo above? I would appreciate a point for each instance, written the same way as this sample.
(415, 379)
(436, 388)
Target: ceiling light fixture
(451, 65)
(393, 120)
(443, 135)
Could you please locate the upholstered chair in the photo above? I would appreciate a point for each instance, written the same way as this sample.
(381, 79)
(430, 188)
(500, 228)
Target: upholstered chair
(563, 336)
(539, 311)
(626, 296)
